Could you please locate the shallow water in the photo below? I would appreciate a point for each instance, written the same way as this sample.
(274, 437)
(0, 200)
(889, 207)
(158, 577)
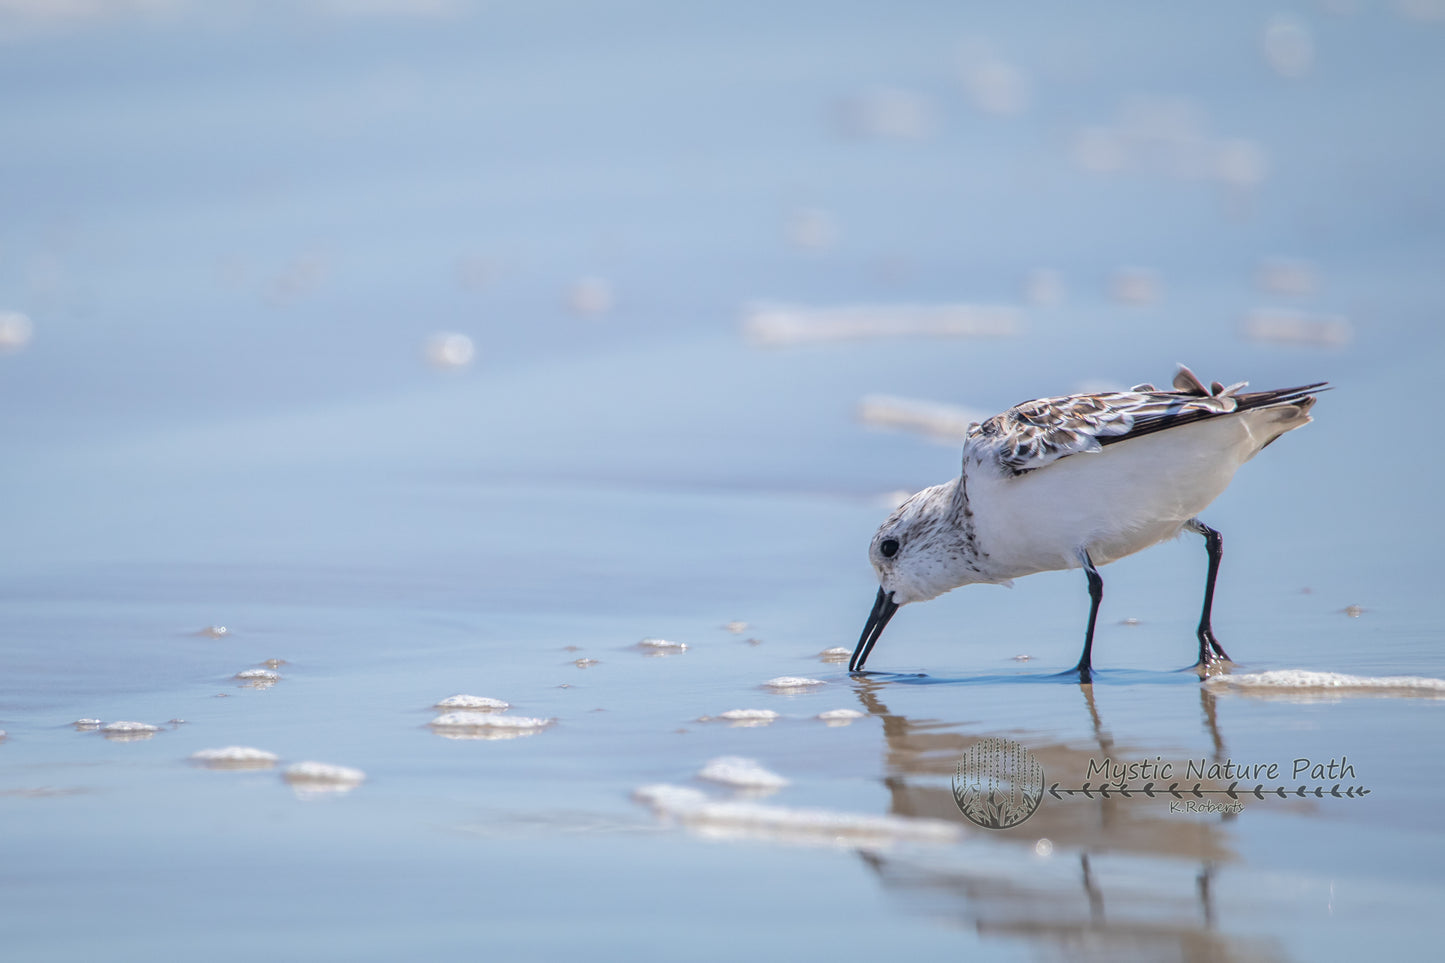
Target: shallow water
(234, 234)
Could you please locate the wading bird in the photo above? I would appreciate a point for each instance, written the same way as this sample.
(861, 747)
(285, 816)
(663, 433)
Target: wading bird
(1077, 482)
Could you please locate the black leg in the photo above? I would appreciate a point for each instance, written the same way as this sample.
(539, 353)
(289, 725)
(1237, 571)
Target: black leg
(1214, 545)
(1096, 593)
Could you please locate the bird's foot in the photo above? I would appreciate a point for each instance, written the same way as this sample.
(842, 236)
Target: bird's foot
(1213, 660)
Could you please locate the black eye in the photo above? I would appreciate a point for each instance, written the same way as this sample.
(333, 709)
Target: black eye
(889, 548)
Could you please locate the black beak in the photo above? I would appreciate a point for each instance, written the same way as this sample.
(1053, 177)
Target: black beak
(883, 609)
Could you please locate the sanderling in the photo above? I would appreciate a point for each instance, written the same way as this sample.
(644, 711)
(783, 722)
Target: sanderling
(1050, 484)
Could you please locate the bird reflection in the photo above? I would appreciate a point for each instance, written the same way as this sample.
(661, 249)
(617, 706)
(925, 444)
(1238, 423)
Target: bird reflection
(1117, 878)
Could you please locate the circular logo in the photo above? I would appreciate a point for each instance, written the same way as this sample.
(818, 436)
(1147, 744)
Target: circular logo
(998, 783)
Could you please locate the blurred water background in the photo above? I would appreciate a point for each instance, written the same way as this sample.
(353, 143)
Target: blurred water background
(408, 348)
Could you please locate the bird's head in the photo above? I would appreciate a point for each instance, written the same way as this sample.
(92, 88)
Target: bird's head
(917, 557)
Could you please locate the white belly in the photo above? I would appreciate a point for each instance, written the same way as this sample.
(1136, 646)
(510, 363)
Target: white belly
(1115, 502)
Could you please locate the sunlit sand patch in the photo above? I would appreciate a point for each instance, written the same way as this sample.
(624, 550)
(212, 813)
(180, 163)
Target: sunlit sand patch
(947, 424)
(835, 654)
(661, 647)
(258, 678)
(1303, 685)
(320, 778)
(736, 627)
(779, 325)
(584, 663)
(735, 819)
(487, 725)
(792, 683)
(744, 718)
(128, 731)
(234, 757)
(742, 773)
(840, 717)
(1285, 326)
(473, 703)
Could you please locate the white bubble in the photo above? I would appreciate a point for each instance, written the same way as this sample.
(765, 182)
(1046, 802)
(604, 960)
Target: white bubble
(889, 113)
(1044, 847)
(1297, 327)
(1241, 163)
(258, 678)
(1100, 149)
(741, 773)
(487, 725)
(840, 717)
(661, 646)
(746, 718)
(591, 297)
(129, 727)
(776, 325)
(1044, 287)
(128, 731)
(811, 229)
(1288, 276)
(314, 778)
(1289, 47)
(234, 757)
(16, 330)
(1136, 286)
(448, 349)
(490, 720)
(836, 654)
(993, 84)
(734, 819)
(786, 682)
(943, 423)
(473, 703)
